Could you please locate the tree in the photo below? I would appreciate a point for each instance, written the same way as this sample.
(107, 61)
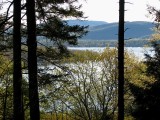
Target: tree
(147, 98)
(17, 74)
(52, 26)
(121, 61)
(90, 89)
(6, 88)
(32, 61)
(144, 107)
(50, 16)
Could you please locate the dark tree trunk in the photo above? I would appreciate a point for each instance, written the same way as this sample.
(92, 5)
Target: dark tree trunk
(17, 74)
(121, 61)
(32, 61)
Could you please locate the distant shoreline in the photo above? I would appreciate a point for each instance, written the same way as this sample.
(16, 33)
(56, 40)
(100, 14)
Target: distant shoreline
(112, 43)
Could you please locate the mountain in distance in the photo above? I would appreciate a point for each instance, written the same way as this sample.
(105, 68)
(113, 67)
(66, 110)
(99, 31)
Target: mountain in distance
(138, 29)
(100, 30)
(102, 34)
(90, 23)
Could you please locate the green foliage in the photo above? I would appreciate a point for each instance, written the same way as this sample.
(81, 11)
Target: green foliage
(55, 30)
(147, 98)
(51, 15)
(5, 88)
(147, 106)
(89, 91)
(5, 35)
(81, 56)
(51, 25)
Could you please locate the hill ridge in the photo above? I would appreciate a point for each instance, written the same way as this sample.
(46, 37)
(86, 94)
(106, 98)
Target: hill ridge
(135, 29)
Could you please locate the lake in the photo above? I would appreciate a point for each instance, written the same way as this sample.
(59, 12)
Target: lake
(138, 51)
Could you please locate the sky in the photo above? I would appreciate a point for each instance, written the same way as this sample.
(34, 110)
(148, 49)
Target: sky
(107, 10)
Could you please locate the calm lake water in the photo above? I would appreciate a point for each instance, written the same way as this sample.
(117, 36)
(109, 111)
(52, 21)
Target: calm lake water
(138, 51)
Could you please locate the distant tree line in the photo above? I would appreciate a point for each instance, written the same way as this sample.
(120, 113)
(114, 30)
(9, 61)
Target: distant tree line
(112, 43)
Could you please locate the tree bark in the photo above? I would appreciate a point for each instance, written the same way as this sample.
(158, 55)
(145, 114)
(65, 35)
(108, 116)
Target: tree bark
(121, 61)
(17, 73)
(32, 61)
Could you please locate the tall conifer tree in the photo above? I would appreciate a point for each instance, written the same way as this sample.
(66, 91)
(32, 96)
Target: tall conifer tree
(32, 61)
(121, 61)
(17, 74)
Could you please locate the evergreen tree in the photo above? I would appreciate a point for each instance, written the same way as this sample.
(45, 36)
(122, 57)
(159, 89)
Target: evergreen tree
(51, 21)
(17, 74)
(121, 61)
(147, 105)
(50, 15)
(54, 28)
(32, 61)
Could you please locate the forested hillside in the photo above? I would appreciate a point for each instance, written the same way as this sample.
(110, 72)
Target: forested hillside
(109, 31)
(102, 34)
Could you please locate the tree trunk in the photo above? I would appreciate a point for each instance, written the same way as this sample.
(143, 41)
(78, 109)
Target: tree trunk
(17, 74)
(32, 61)
(121, 61)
